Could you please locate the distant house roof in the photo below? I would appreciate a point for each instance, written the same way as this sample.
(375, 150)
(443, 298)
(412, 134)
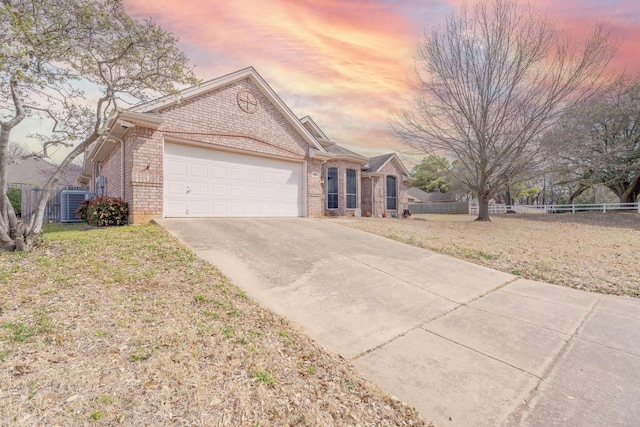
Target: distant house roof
(33, 170)
(421, 196)
(417, 194)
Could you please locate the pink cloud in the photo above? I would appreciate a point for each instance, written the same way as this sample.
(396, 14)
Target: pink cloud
(346, 63)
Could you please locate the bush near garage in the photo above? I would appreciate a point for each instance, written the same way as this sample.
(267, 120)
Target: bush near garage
(104, 211)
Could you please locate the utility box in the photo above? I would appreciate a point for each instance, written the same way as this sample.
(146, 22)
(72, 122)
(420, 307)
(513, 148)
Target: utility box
(70, 201)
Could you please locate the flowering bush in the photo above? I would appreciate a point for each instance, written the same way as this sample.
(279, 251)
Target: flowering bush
(104, 211)
(81, 212)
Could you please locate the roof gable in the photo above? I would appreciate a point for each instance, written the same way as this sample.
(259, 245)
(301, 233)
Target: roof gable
(313, 127)
(211, 85)
(377, 163)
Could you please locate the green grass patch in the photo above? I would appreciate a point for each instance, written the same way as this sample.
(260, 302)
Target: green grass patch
(265, 377)
(20, 332)
(227, 331)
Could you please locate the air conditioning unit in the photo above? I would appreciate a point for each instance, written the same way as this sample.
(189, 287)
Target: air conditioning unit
(70, 201)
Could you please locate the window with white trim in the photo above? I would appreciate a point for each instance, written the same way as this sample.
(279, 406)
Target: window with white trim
(392, 193)
(352, 189)
(332, 188)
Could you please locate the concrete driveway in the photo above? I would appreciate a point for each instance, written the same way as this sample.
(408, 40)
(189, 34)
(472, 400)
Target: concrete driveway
(464, 344)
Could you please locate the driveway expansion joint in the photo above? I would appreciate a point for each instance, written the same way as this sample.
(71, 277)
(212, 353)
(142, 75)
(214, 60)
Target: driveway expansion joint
(481, 353)
(399, 278)
(497, 288)
(379, 346)
(516, 414)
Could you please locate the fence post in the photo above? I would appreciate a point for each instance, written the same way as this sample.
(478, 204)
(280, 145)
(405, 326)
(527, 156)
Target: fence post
(573, 208)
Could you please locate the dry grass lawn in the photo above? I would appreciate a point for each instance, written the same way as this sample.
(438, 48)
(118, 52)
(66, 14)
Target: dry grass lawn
(592, 251)
(125, 326)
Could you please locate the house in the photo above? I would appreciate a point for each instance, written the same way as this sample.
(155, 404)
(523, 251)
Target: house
(416, 195)
(31, 171)
(232, 148)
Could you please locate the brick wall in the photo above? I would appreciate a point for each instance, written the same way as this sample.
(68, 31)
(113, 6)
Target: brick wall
(366, 185)
(315, 194)
(216, 118)
(144, 152)
(110, 168)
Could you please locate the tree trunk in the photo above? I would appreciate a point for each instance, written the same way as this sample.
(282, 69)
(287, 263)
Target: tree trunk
(11, 230)
(576, 193)
(483, 209)
(630, 194)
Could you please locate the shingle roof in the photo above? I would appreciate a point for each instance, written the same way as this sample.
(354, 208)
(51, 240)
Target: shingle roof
(375, 163)
(432, 197)
(417, 193)
(30, 171)
(336, 149)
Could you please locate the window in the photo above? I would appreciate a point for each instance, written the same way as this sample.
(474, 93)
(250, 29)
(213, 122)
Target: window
(392, 193)
(352, 189)
(332, 188)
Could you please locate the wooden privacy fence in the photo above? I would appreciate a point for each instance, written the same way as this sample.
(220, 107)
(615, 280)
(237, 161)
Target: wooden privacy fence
(545, 209)
(440, 208)
(30, 196)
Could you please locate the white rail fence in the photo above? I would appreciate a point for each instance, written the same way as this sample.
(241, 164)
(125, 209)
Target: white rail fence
(545, 209)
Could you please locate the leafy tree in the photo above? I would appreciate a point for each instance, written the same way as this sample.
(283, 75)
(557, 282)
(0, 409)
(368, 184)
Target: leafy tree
(491, 79)
(48, 50)
(432, 174)
(598, 141)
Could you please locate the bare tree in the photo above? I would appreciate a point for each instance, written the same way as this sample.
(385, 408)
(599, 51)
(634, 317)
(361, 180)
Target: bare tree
(16, 151)
(491, 79)
(598, 141)
(46, 48)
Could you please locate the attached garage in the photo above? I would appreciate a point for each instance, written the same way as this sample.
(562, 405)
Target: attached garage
(203, 182)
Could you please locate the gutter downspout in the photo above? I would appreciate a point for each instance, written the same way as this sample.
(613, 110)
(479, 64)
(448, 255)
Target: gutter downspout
(121, 168)
(92, 184)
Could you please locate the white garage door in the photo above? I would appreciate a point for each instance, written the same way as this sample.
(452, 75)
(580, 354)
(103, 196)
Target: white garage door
(200, 182)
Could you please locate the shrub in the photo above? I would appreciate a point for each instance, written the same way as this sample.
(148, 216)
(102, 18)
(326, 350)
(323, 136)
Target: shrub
(106, 211)
(83, 209)
(15, 198)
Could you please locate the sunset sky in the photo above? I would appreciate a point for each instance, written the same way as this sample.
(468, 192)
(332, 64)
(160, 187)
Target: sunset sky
(346, 63)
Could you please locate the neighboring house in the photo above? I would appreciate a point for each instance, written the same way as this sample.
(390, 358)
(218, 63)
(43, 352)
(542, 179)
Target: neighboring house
(37, 171)
(231, 148)
(416, 195)
(31, 171)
